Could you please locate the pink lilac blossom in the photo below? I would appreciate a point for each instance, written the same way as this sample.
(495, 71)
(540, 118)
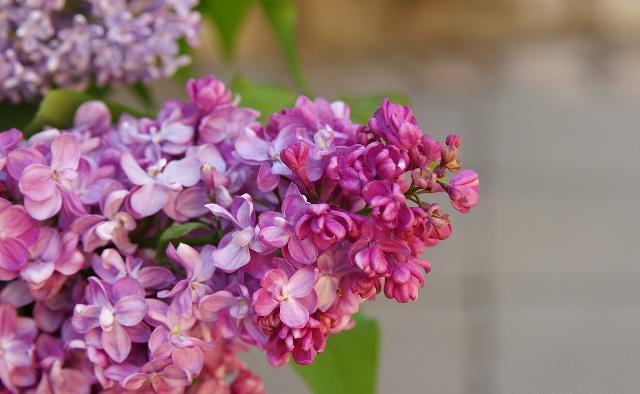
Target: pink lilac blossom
(290, 227)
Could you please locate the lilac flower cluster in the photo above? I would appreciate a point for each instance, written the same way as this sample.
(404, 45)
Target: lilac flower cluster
(295, 225)
(72, 43)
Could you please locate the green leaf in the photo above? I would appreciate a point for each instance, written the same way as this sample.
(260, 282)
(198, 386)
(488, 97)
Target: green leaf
(363, 107)
(143, 94)
(349, 365)
(16, 115)
(265, 98)
(178, 232)
(227, 16)
(58, 107)
(282, 16)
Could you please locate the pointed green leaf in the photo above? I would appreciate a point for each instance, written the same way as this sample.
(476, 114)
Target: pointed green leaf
(58, 107)
(349, 365)
(283, 17)
(227, 16)
(265, 98)
(363, 107)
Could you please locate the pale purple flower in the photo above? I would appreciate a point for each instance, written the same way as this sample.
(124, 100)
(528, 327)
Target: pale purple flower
(18, 231)
(266, 153)
(111, 267)
(277, 230)
(172, 337)
(198, 270)
(8, 140)
(159, 376)
(111, 312)
(293, 295)
(52, 252)
(151, 192)
(234, 249)
(114, 225)
(16, 349)
(47, 187)
(333, 265)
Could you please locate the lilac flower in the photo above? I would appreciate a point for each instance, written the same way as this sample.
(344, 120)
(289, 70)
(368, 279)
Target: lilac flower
(17, 233)
(16, 349)
(47, 187)
(159, 376)
(324, 225)
(388, 204)
(332, 267)
(463, 190)
(45, 44)
(111, 313)
(396, 124)
(207, 93)
(8, 140)
(153, 185)
(110, 267)
(189, 290)
(113, 225)
(172, 337)
(234, 249)
(293, 295)
(277, 230)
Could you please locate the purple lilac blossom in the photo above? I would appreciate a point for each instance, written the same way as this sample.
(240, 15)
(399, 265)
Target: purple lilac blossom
(291, 226)
(72, 43)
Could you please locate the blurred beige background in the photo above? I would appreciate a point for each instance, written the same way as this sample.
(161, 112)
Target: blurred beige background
(537, 291)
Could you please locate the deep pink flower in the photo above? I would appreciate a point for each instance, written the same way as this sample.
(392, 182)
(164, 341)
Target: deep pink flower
(47, 187)
(207, 93)
(324, 225)
(396, 124)
(294, 295)
(388, 204)
(463, 190)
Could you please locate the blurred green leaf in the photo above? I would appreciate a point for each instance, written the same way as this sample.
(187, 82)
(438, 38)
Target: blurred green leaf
(283, 17)
(58, 107)
(144, 95)
(227, 16)
(16, 115)
(349, 365)
(265, 98)
(363, 107)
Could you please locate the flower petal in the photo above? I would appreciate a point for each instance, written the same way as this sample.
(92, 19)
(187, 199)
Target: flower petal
(263, 302)
(116, 343)
(148, 199)
(293, 314)
(301, 283)
(37, 182)
(43, 210)
(130, 310)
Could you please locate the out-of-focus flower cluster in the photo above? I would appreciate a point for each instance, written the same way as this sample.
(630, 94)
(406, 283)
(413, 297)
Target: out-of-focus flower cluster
(74, 43)
(295, 224)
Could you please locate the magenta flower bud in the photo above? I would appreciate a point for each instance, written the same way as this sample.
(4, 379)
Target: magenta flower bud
(404, 283)
(463, 190)
(324, 225)
(425, 178)
(454, 141)
(207, 93)
(396, 124)
(295, 156)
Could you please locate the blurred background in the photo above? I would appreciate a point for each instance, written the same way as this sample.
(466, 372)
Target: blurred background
(537, 290)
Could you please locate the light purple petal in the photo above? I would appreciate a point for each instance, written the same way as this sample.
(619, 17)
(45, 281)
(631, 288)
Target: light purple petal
(14, 222)
(293, 314)
(132, 169)
(214, 303)
(20, 159)
(36, 182)
(189, 358)
(13, 254)
(149, 199)
(301, 283)
(116, 343)
(184, 172)
(65, 152)
(252, 148)
(43, 210)
(263, 302)
(85, 317)
(130, 310)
